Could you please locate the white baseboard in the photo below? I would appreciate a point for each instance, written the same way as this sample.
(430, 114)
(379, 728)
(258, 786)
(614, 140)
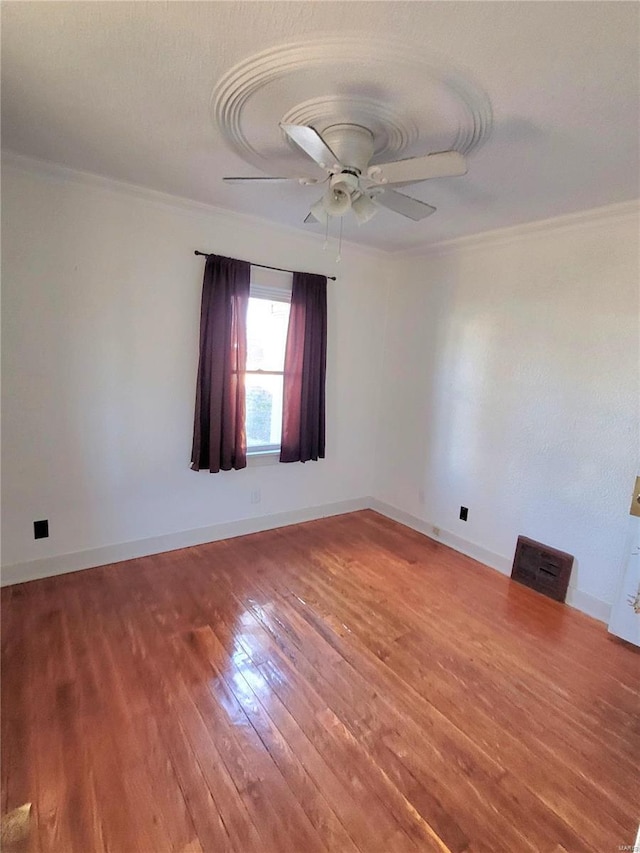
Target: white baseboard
(482, 555)
(65, 563)
(594, 607)
(588, 604)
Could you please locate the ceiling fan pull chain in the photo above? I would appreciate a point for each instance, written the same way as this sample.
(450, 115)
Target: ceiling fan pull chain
(326, 232)
(339, 255)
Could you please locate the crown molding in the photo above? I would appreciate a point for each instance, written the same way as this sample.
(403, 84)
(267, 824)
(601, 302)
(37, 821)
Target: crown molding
(499, 236)
(65, 174)
(502, 236)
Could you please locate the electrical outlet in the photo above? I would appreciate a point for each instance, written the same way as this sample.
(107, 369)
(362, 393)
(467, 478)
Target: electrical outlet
(41, 529)
(255, 496)
(464, 512)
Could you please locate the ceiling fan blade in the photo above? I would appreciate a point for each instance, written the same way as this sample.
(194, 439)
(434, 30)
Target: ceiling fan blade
(404, 205)
(310, 219)
(312, 144)
(446, 164)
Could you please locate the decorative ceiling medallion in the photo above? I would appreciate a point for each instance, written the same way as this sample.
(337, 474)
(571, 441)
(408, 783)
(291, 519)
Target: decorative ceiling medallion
(411, 105)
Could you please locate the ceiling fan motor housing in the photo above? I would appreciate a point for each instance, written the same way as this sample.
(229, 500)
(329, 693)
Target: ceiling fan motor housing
(351, 143)
(344, 182)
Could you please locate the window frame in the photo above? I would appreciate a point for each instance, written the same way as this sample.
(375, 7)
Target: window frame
(266, 453)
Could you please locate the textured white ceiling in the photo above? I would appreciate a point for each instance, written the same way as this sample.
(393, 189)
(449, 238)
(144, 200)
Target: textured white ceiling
(129, 91)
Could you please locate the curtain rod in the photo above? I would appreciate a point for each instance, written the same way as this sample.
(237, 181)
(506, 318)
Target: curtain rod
(264, 266)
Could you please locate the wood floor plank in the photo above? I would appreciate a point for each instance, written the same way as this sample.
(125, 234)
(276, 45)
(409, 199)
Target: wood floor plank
(217, 811)
(412, 675)
(353, 701)
(405, 662)
(488, 659)
(280, 820)
(244, 681)
(341, 685)
(507, 837)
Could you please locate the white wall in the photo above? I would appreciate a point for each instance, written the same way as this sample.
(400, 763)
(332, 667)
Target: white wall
(101, 303)
(509, 383)
(512, 376)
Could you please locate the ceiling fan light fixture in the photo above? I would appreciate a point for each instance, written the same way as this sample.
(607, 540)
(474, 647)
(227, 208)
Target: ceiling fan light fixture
(337, 200)
(364, 209)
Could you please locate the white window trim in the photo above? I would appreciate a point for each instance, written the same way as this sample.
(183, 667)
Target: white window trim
(256, 458)
(266, 454)
(263, 448)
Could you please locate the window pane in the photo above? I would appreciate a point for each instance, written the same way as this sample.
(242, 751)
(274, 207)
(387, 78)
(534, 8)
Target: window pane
(267, 323)
(264, 409)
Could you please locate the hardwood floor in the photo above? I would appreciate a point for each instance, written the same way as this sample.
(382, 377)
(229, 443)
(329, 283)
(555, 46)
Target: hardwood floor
(343, 685)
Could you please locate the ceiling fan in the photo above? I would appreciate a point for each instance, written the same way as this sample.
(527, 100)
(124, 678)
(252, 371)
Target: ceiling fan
(344, 152)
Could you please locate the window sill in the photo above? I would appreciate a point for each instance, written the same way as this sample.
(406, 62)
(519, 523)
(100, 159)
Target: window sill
(264, 457)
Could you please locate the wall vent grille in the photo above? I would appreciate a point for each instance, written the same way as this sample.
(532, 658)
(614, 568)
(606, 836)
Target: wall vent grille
(542, 568)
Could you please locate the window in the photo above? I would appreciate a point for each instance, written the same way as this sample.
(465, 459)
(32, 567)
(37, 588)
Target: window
(267, 323)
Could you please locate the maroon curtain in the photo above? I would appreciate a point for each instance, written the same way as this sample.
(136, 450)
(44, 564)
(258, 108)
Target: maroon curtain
(219, 440)
(304, 370)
